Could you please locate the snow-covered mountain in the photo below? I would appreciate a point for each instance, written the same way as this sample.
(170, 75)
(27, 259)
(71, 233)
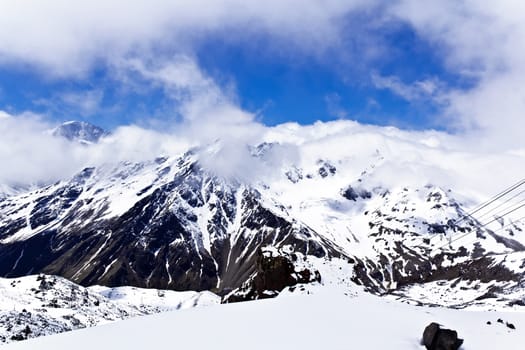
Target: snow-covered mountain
(162, 224)
(181, 222)
(75, 133)
(81, 132)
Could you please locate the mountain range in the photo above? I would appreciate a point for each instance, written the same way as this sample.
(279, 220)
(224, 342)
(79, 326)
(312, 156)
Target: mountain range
(177, 223)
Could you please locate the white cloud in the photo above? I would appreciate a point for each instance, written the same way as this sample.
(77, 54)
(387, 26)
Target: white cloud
(484, 43)
(85, 102)
(334, 107)
(479, 42)
(74, 103)
(207, 114)
(66, 38)
(29, 154)
(207, 111)
(395, 157)
(418, 90)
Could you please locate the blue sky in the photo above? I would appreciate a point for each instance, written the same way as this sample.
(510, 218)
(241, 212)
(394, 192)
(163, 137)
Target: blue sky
(451, 65)
(278, 86)
(190, 72)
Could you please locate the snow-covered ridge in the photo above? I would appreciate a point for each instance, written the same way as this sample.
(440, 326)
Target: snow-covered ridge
(181, 213)
(38, 305)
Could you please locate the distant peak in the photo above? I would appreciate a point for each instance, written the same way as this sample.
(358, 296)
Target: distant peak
(79, 131)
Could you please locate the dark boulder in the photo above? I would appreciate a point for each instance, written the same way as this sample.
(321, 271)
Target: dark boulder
(437, 338)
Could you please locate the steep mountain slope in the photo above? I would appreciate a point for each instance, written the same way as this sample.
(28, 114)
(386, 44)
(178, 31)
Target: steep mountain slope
(314, 214)
(161, 224)
(175, 223)
(401, 237)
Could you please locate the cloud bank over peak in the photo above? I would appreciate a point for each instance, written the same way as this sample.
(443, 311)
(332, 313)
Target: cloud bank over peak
(204, 114)
(151, 45)
(30, 155)
(481, 45)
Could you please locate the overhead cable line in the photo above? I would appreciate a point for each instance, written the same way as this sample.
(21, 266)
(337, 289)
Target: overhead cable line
(493, 199)
(467, 233)
(503, 215)
(502, 204)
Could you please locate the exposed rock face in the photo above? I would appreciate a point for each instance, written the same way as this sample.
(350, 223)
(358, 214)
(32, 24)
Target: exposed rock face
(171, 224)
(414, 235)
(275, 271)
(189, 230)
(436, 338)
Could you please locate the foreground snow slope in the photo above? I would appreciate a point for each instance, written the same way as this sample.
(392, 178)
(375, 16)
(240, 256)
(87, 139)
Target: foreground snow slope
(325, 320)
(34, 306)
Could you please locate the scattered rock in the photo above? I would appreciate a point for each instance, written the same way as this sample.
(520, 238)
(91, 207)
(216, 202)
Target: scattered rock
(436, 338)
(500, 320)
(488, 322)
(510, 325)
(17, 337)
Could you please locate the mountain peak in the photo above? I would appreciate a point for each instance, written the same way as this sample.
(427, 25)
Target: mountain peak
(79, 131)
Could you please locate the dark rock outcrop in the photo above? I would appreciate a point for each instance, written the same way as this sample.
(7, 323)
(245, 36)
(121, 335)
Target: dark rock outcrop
(274, 272)
(158, 241)
(353, 194)
(437, 338)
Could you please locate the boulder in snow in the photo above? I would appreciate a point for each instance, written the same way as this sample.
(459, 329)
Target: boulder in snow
(437, 338)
